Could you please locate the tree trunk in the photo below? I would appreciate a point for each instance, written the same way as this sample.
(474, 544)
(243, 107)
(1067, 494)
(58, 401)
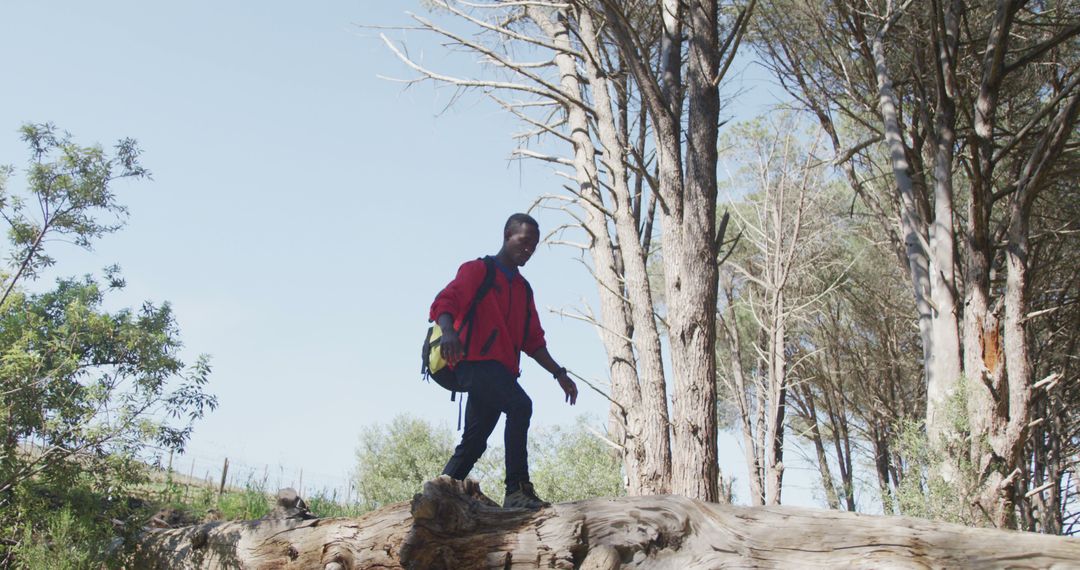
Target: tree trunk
(692, 293)
(451, 525)
(945, 355)
(777, 371)
(939, 367)
(743, 396)
(641, 423)
(656, 472)
(809, 413)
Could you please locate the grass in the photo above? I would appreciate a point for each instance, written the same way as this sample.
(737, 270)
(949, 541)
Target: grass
(197, 501)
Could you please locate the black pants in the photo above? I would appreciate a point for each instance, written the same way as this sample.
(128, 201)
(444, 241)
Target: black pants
(492, 391)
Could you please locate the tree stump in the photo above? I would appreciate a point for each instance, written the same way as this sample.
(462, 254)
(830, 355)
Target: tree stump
(451, 525)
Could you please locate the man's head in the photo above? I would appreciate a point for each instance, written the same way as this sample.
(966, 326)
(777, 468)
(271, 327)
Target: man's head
(521, 234)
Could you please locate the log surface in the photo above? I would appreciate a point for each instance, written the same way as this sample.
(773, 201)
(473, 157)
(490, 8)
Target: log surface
(451, 525)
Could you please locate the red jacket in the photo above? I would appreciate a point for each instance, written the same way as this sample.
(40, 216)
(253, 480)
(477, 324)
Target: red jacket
(499, 322)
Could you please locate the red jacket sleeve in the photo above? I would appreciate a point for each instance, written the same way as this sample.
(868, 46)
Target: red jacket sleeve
(456, 296)
(536, 339)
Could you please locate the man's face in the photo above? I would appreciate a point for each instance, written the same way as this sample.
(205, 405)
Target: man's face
(521, 241)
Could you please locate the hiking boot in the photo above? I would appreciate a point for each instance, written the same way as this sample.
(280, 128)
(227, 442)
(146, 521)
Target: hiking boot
(524, 498)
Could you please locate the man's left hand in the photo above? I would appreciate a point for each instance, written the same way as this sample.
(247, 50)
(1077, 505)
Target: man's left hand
(568, 388)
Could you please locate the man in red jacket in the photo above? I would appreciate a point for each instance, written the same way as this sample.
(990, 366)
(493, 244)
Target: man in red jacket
(505, 323)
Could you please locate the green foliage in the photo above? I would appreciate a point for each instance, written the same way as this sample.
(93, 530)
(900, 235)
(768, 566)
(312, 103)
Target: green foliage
(198, 499)
(328, 506)
(65, 542)
(252, 502)
(85, 390)
(395, 460)
(67, 527)
(69, 185)
(939, 482)
(573, 464)
(89, 387)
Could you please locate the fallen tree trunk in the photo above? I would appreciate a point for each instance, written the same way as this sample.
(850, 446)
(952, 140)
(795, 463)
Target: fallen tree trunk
(451, 525)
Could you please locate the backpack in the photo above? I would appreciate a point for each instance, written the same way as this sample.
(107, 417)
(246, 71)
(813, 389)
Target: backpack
(433, 366)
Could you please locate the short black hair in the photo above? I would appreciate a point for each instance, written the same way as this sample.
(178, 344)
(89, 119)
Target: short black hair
(519, 219)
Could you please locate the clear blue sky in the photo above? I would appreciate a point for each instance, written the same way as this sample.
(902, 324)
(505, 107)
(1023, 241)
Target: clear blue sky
(302, 212)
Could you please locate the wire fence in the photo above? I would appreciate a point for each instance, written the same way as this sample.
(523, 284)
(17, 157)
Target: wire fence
(224, 471)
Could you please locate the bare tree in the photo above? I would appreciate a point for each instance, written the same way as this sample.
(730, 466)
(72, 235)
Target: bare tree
(860, 379)
(598, 84)
(768, 284)
(687, 192)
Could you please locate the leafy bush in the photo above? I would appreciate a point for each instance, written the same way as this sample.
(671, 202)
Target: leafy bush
(75, 527)
(939, 482)
(567, 464)
(574, 464)
(394, 461)
(63, 542)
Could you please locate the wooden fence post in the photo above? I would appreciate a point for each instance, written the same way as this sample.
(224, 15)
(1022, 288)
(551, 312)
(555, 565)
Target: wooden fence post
(224, 473)
(190, 479)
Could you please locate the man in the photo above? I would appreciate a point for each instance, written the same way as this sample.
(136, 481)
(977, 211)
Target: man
(485, 355)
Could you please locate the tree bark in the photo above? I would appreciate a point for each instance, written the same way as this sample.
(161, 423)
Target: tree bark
(692, 293)
(452, 525)
(809, 413)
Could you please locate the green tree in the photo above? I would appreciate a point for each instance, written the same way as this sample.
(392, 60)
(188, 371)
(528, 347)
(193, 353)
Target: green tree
(70, 187)
(86, 391)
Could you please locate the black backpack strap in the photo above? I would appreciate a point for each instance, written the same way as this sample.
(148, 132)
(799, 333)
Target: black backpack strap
(485, 286)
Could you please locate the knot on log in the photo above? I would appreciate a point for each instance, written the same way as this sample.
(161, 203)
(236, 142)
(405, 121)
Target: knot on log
(602, 557)
(456, 526)
(199, 538)
(448, 505)
(169, 518)
(289, 506)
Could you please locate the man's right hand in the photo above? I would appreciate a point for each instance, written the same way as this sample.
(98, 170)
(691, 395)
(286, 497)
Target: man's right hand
(449, 344)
